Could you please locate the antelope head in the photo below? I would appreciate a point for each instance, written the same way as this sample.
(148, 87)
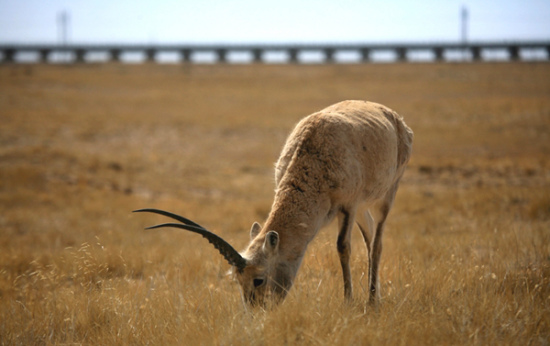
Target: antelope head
(262, 275)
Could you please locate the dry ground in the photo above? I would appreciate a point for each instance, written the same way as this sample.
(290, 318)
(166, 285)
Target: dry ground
(466, 251)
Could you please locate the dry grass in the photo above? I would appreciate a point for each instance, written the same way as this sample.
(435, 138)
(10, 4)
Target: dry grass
(467, 253)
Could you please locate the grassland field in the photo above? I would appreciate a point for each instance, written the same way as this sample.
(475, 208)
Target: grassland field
(466, 249)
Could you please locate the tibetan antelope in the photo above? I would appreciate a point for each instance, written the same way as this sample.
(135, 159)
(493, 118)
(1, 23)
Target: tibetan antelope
(346, 161)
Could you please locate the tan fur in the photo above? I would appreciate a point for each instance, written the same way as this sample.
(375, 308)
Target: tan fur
(342, 159)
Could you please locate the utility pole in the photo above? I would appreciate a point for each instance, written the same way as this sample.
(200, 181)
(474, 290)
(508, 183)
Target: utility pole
(464, 31)
(63, 34)
(464, 24)
(63, 27)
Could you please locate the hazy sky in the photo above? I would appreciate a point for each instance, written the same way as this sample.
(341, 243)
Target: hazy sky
(257, 21)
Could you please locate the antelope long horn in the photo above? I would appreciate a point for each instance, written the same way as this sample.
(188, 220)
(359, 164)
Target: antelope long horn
(226, 250)
(169, 214)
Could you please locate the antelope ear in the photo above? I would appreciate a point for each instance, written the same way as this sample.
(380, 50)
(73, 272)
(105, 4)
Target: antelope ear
(271, 243)
(256, 228)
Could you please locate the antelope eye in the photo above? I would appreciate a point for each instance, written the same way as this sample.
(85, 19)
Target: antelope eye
(258, 282)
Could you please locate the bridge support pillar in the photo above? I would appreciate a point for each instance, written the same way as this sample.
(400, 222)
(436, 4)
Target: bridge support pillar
(476, 53)
(365, 55)
(115, 55)
(9, 55)
(79, 55)
(185, 55)
(329, 56)
(44, 53)
(222, 56)
(401, 54)
(513, 51)
(150, 55)
(438, 51)
(257, 56)
(293, 55)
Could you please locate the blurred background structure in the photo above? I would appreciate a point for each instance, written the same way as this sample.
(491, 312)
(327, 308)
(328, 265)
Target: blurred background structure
(246, 31)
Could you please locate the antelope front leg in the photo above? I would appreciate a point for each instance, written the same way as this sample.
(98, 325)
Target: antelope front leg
(345, 223)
